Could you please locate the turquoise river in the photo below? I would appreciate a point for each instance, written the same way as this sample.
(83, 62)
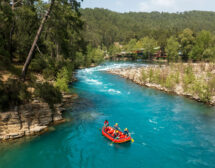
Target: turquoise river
(169, 131)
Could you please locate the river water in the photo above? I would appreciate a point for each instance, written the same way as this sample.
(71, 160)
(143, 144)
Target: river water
(168, 131)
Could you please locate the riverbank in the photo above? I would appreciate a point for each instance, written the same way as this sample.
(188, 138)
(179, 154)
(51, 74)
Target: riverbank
(32, 119)
(192, 80)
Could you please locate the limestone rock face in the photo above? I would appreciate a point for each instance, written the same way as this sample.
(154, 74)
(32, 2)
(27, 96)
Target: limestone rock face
(28, 119)
(33, 118)
(135, 74)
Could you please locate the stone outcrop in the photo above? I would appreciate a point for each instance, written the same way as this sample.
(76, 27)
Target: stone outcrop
(31, 119)
(135, 74)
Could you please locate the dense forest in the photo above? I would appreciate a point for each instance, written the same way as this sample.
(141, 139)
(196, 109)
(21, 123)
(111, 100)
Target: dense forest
(104, 27)
(190, 35)
(41, 44)
(53, 39)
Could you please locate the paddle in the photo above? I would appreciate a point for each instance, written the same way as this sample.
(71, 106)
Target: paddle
(112, 142)
(132, 140)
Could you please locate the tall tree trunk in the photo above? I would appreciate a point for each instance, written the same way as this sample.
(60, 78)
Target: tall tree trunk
(30, 54)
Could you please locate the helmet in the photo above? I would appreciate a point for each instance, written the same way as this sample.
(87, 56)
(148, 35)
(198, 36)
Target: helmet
(117, 131)
(116, 124)
(126, 129)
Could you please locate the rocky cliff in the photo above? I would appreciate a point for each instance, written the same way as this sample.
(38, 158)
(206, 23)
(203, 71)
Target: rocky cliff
(31, 119)
(135, 74)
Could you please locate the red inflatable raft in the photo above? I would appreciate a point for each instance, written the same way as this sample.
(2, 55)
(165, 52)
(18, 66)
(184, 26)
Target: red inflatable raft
(108, 132)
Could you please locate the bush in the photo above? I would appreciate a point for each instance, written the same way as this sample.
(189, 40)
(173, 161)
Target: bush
(157, 76)
(38, 64)
(94, 55)
(48, 93)
(151, 73)
(163, 77)
(170, 81)
(49, 73)
(177, 77)
(144, 76)
(188, 78)
(80, 61)
(62, 81)
(204, 93)
(13, 93)
(211, 84)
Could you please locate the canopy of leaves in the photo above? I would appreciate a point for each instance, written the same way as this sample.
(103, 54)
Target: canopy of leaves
(172, 49)
(104, 27)
(60, 41)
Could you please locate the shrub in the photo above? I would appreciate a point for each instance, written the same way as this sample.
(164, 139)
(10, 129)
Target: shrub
(177, 77)
(211, 84)
(151, 73)
(188, 78)
(144, 76)
(163, 77)
(205, 94)
(170, 81)
(38, 64)
(13, 93)
(156, 76)
(48, 93)
(49, 73)
(63, 80)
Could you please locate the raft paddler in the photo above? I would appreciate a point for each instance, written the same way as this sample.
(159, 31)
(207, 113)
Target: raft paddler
(116, 127)
(126, 132)
(116, 134)
(106, 123)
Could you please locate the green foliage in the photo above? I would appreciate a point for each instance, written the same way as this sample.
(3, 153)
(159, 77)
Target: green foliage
(131, 45)
(94, 55)
(48, 93)
(205, 89)
(80, 61)
(149, 45)
(171, 80)
(62, 80)
(202, 89)
(38, 64)
(62, 35)
(60, 45)
(151, 74)
(114, 49)
(203, 86)
(203, 48)
(26, 23)
(209, 54)
(144, 76)
(177, 77)
(67, 43)
(196, 53)
(98, 55)
(157, 76)
(160, 77)
(5, 23)
(188, 78)
(172, 49)
(13, 93)
(186, 40)
(104, 27)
